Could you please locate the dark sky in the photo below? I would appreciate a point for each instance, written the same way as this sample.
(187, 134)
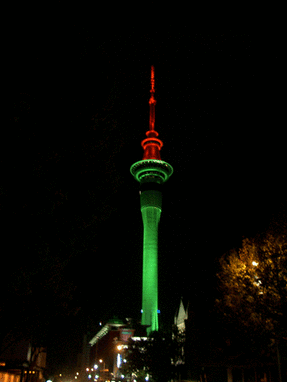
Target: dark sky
(78, 109)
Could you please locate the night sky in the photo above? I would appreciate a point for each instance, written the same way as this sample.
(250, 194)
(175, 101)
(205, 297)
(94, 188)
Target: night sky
(78, 109)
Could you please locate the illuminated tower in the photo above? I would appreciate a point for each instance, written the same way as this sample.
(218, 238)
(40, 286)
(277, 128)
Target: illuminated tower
(151, 172)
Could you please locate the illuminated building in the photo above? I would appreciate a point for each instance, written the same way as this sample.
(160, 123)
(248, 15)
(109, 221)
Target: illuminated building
(21, 361)
(151, 172)
(180, 320)
(107, 345)
(180, 317)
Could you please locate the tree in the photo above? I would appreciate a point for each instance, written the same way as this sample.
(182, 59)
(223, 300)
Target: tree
(150, 358)
(253, 286)
(253, 283)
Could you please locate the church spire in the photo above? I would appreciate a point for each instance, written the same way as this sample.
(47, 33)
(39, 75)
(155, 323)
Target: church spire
(152, 144)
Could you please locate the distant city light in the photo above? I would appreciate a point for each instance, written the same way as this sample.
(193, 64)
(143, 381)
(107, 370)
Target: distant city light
(254, 263)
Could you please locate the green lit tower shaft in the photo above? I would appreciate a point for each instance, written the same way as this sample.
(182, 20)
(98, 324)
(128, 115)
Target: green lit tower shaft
(151, 172)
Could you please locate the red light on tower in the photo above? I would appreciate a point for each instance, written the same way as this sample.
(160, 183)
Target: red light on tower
(152, 144)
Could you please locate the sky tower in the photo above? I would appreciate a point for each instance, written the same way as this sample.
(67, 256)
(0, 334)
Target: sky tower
(151, 172)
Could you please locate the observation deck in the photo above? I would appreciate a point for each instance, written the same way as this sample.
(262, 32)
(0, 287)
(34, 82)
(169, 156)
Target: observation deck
(151, 170)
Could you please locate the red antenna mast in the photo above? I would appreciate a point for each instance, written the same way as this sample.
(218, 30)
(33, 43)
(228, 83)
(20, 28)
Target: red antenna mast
(152, 144)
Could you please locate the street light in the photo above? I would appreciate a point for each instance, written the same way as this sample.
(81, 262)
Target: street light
(101, 361)
(257, 282)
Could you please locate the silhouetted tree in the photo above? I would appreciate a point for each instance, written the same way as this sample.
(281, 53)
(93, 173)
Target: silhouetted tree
(151, 357)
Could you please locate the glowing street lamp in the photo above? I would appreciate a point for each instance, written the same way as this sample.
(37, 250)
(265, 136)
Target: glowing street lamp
(101, 361)
(257, 282)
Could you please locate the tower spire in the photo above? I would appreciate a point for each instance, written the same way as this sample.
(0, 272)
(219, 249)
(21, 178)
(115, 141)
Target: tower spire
(152, 101)
(152, 144)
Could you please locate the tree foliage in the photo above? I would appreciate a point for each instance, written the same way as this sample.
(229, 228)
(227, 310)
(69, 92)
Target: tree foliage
(152, 357)
(253, 284)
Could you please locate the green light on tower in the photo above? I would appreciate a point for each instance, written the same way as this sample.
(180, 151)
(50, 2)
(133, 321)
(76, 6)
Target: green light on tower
(151, 172)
